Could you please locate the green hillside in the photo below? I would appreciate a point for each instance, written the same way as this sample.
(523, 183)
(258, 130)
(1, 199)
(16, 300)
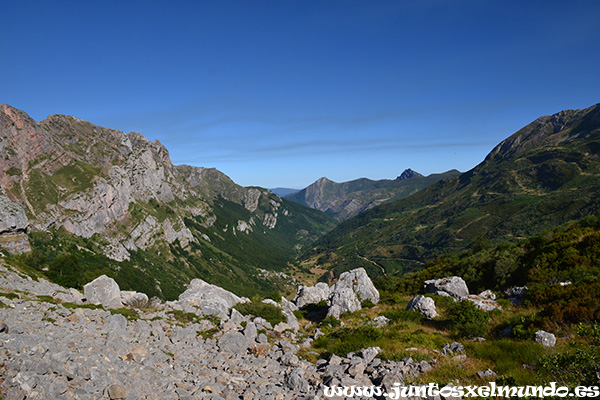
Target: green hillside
(546, 174)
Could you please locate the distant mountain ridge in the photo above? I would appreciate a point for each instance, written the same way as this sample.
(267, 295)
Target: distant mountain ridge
(544, 175)
(347, 199)
(282, 192)
(70, 188)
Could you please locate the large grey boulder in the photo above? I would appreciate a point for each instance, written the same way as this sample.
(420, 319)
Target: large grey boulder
(546, 339)
(452, 286)
(424, 305)
(209, 298)
(343, 300)
(105, 291)
(359, 282)
(311, 294)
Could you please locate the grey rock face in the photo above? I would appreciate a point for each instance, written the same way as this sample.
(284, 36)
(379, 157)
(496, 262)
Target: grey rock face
(546, 339)
(424, 305)
(13, 225)
(209, 298)
(103, 290)
(454, 286)
(311, 294)
(12, 215)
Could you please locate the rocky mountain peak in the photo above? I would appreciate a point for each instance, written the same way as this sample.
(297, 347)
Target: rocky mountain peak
(549, 130)
(407, 174)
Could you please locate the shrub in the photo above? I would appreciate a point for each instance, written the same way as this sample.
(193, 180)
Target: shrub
(399, 314)
(580, 365)
(367, 304)
(467, 320)
(128, 313)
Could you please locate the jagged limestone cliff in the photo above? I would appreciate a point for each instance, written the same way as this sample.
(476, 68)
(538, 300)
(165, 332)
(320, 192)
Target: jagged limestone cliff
(123, 195)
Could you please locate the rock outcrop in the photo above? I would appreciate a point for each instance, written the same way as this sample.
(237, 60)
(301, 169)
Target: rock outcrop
(359, 282)
(345, 295)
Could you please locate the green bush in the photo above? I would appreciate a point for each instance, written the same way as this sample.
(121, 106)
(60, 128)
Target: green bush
(396, 315)
(467, 320)
(367, 304)
(580, 364)
(257, 308)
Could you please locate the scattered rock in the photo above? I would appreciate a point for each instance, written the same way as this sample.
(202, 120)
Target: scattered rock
(488, 373)
(516, 294)
(454, 348)
(381, 321)
(484, 303)
(210, 299)
(453, 286)
(105, 291)
(546, 339)
(234, 342)
(424, 305)
(116, 392)
(134, 299)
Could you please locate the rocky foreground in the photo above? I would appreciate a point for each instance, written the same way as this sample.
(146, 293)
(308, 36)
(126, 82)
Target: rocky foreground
(54, 346)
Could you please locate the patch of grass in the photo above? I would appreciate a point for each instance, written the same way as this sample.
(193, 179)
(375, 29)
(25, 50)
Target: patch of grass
(74, 305)
(207, 333)
(257, 308)
(507, 357)
(346, 340)
(10, 295)
(128, 313)
(47, 299)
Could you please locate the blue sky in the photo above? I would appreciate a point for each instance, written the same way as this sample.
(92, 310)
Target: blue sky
(280, 93)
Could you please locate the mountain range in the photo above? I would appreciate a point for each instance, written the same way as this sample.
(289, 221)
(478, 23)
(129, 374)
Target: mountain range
(92, 200)
(348, 199)
(78, 201)
(544, 175)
